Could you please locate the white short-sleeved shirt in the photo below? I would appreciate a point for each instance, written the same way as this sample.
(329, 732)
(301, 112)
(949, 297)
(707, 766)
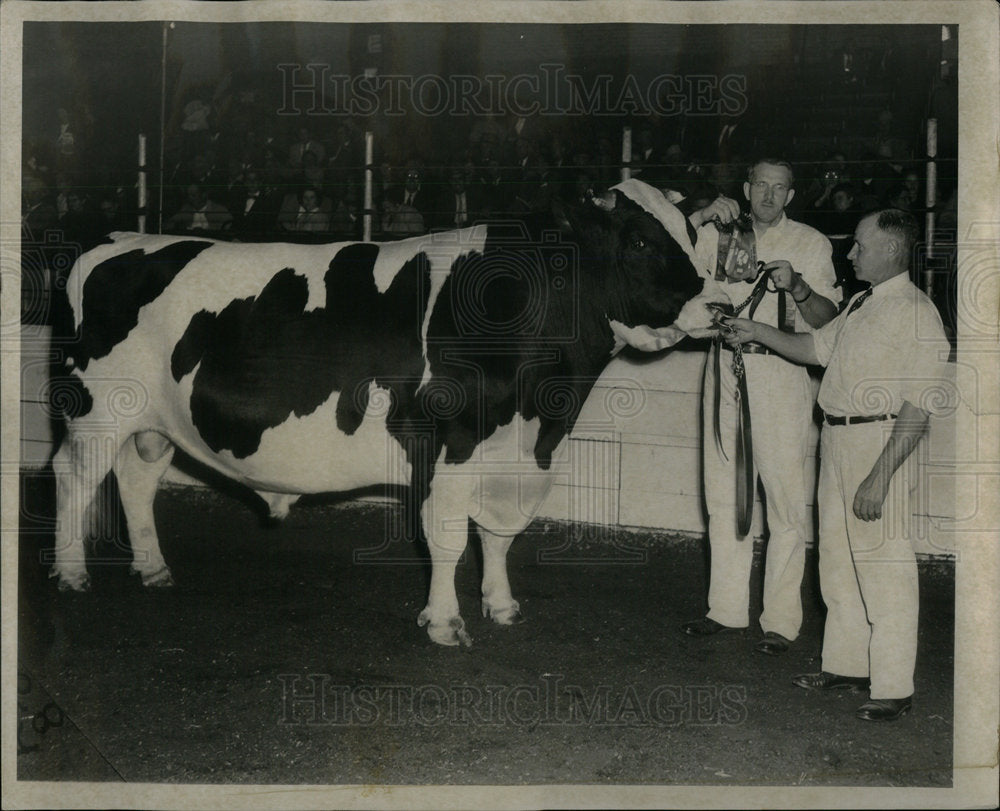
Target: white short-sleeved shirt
(890, 349)
(805, 248)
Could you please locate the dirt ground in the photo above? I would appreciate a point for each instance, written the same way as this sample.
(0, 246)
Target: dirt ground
(291, 654)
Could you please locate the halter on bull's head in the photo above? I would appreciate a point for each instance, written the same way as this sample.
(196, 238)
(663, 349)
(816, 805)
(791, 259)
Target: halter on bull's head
(651, 272)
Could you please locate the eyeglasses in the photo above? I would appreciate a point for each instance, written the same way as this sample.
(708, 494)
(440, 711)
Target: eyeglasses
(761, 186)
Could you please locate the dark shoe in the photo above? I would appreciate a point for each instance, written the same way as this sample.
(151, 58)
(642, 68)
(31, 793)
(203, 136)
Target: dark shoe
(829, 681)
(705, 627)
(884, 709)
(772, 644)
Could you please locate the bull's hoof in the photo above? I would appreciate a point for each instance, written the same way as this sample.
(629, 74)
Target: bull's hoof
(509, 614)
(75, 582)
(449, 633)
(160, 579)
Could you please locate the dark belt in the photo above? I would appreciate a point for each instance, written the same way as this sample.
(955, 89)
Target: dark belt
(829, 419)
(752, 348)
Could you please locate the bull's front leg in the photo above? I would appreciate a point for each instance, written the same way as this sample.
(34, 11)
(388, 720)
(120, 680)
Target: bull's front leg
(498, 603)
(444, 516)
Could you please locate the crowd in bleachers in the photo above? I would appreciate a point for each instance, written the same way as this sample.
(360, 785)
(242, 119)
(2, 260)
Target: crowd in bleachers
(235, 170)
(238, 170)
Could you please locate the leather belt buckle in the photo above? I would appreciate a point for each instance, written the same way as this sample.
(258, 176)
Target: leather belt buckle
(830, 419)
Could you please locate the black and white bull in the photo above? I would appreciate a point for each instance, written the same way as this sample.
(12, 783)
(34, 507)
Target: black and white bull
(456, 363)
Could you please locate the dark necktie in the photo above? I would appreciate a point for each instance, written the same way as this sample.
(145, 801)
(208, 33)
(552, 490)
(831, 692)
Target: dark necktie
(859, 301)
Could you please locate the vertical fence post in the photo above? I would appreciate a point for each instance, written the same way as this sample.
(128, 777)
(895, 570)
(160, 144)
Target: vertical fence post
(930, 201)
(626, 152)
(142, 183)
(367, 233)
(163, 121)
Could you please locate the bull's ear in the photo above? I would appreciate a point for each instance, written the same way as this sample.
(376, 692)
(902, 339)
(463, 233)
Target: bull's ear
(606, 200)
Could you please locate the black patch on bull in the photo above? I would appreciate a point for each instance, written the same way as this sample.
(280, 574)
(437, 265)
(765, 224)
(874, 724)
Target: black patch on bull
(523, 327)
(68, 394)
(264, 358)
(118, 288)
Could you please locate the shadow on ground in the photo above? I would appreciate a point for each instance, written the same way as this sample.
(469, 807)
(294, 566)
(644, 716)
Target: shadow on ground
(290, 654)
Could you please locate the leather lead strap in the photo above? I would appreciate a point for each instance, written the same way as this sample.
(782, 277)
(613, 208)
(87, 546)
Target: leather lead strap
(717, 394)
(745, 474)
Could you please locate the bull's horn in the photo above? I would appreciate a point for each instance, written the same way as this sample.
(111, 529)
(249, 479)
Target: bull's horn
(605, 201)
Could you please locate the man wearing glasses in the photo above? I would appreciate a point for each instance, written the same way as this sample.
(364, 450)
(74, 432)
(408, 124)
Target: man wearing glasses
(782, 274)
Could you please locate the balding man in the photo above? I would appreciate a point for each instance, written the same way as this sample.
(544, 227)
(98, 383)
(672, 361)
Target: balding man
(884, 357)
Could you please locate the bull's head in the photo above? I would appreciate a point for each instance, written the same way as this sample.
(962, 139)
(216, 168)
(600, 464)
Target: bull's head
(639, 252)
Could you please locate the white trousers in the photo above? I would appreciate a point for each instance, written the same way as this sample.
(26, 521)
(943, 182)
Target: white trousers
(867, 569)
(781, 404)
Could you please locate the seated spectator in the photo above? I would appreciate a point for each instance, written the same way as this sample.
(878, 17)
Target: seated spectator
(458, 206)
(838, 217)
(199, 213)
(305, 143)
(832, 172)
(111, 216)
(898, 196)
(305, 211)
(202, 171)
(493, 192)
(404, 207)
(273, 169)
(254, 207)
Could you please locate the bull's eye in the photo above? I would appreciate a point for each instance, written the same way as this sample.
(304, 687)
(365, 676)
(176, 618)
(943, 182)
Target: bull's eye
(637, 243)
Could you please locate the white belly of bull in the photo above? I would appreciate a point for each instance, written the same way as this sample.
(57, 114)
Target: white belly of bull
(309, 454)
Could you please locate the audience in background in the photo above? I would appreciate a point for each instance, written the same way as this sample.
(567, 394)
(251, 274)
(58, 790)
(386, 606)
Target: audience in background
(199, 213)
(305, 211)
(231, 170)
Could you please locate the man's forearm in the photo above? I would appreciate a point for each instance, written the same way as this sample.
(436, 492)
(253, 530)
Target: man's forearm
(796, 346)
(870, 496)
(816, 309)
(910, 426)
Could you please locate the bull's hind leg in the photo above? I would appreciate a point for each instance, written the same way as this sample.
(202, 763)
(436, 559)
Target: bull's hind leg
(80, 465)
(140, 466)
(498, 603)
(444, 517)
